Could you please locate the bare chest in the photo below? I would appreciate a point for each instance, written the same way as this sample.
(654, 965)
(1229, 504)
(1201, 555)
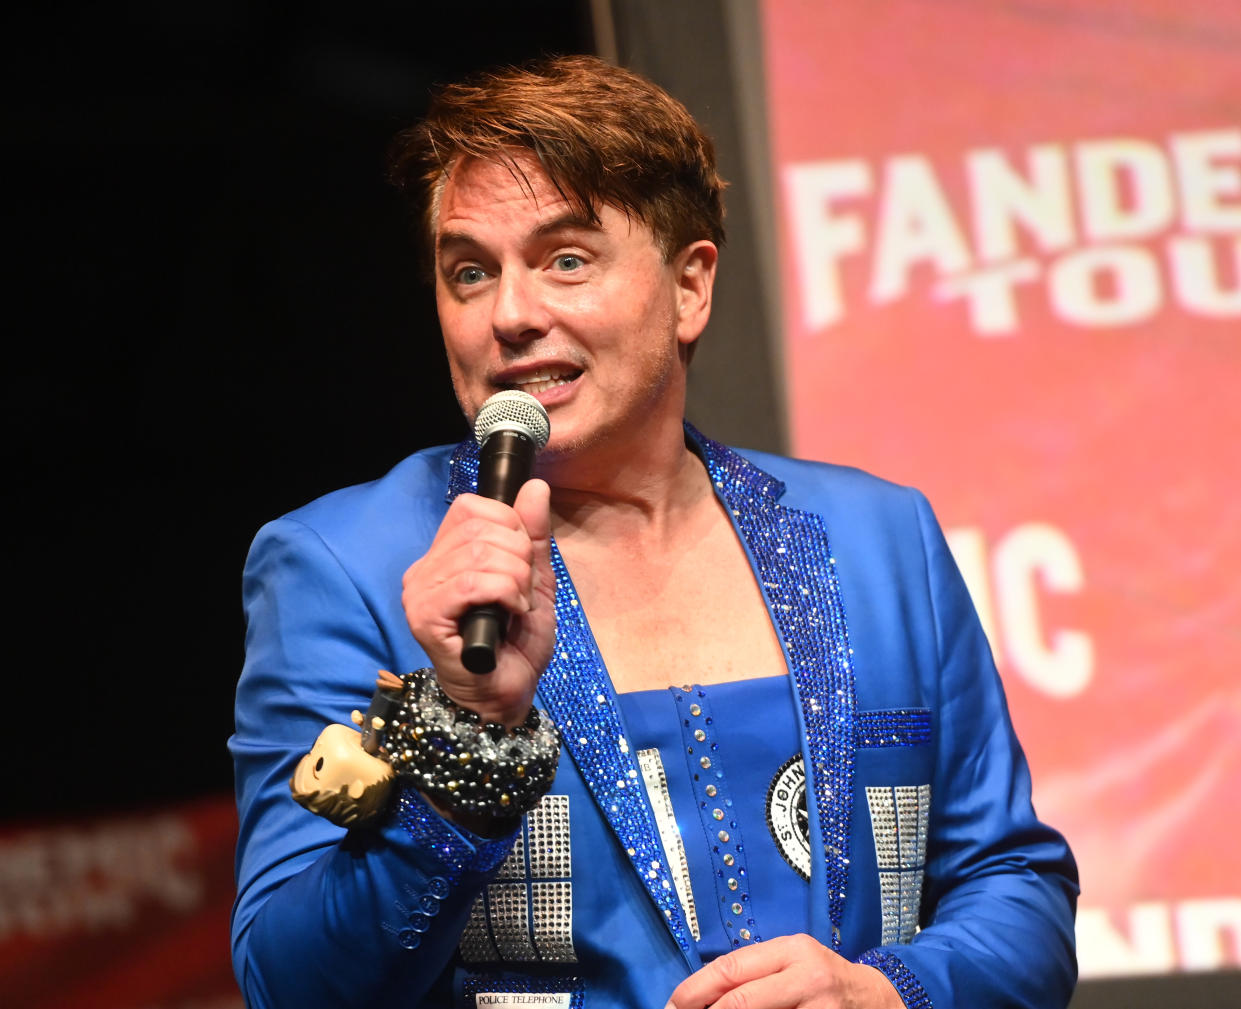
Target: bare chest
(694, 615)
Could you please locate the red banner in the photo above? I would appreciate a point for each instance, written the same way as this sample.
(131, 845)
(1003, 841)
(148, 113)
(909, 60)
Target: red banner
(1011, 237)
(120, 913)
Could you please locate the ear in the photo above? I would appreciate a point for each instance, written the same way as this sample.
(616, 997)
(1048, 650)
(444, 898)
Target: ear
(695, 272)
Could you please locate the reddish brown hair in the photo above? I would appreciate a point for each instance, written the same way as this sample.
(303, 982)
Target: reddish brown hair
(602, 134)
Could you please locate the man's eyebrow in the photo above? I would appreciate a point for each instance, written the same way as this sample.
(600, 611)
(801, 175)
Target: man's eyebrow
(570, 220)
(449, 239)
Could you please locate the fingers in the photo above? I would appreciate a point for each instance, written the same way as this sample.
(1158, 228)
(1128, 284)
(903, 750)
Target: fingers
(770, 992)
(783, 973)
(487, 553)
(481, 554)
(474, 526)
(791, 972)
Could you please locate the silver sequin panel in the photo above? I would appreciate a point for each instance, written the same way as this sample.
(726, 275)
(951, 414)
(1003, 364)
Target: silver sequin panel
(669, 833)
(526, 914)
(898, 821)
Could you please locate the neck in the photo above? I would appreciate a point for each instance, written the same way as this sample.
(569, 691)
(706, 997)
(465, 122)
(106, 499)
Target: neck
(632, 496)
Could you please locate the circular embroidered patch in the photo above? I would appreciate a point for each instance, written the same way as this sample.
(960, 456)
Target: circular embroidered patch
(786, 815)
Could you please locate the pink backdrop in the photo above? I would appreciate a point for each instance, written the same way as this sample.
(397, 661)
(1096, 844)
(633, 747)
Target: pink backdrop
(1010, 238)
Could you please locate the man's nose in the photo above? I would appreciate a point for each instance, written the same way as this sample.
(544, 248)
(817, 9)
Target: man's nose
(518, 313)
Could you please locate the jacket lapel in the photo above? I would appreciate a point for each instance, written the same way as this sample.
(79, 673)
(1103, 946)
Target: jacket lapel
(792, 558)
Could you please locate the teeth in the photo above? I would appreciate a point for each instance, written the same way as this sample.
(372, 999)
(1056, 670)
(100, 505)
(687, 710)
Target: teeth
(541, 381)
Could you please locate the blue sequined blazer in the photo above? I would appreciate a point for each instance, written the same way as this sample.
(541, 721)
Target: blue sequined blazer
(926, 858)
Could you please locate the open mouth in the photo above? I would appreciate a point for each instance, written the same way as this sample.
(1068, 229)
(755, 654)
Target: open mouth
(541, 381)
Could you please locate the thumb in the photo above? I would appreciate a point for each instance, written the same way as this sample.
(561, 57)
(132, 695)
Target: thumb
(533, 507)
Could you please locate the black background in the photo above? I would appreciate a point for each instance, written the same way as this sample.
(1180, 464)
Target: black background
(215, 316)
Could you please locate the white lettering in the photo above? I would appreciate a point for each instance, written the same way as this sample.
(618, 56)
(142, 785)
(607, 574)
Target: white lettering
(1201, 926)
(56, 882)
(1002, 198)
(1109, 286)
(1103, 950)
(989, 295)
(1125, 189)
(1154, 937)
(968, 547)
(915, 226)
(1196, 280)
(1202, 181)
(1034, 556)
(820, 235)
(1074, 224)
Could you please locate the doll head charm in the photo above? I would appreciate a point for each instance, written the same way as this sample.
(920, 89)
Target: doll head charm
(340, 781)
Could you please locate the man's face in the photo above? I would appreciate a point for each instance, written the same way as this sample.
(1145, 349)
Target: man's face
(588, 319)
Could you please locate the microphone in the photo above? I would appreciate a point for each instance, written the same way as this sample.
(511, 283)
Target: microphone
(510, 428)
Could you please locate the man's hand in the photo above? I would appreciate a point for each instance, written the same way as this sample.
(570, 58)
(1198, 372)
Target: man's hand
(487, 552)
(792, 972)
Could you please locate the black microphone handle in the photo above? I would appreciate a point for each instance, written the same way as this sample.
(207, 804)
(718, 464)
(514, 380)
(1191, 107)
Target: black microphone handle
(505, 462)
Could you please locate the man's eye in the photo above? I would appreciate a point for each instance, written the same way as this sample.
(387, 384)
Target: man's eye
(569, 261)
(470, 275)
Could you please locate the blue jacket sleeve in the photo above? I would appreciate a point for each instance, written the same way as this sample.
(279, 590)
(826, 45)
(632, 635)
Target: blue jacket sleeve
(1001, 887)
(324, 917)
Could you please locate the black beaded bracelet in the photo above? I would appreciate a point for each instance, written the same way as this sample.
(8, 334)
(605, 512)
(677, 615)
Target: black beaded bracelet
(470, 766)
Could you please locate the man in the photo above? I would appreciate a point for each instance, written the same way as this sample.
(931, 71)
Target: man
(835, 813)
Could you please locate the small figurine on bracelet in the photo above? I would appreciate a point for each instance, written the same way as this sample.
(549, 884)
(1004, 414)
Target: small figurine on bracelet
(344, 778)
(341, 781)
(413, 732)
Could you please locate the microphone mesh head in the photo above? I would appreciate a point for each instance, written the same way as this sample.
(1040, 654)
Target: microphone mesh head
(513, 410)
